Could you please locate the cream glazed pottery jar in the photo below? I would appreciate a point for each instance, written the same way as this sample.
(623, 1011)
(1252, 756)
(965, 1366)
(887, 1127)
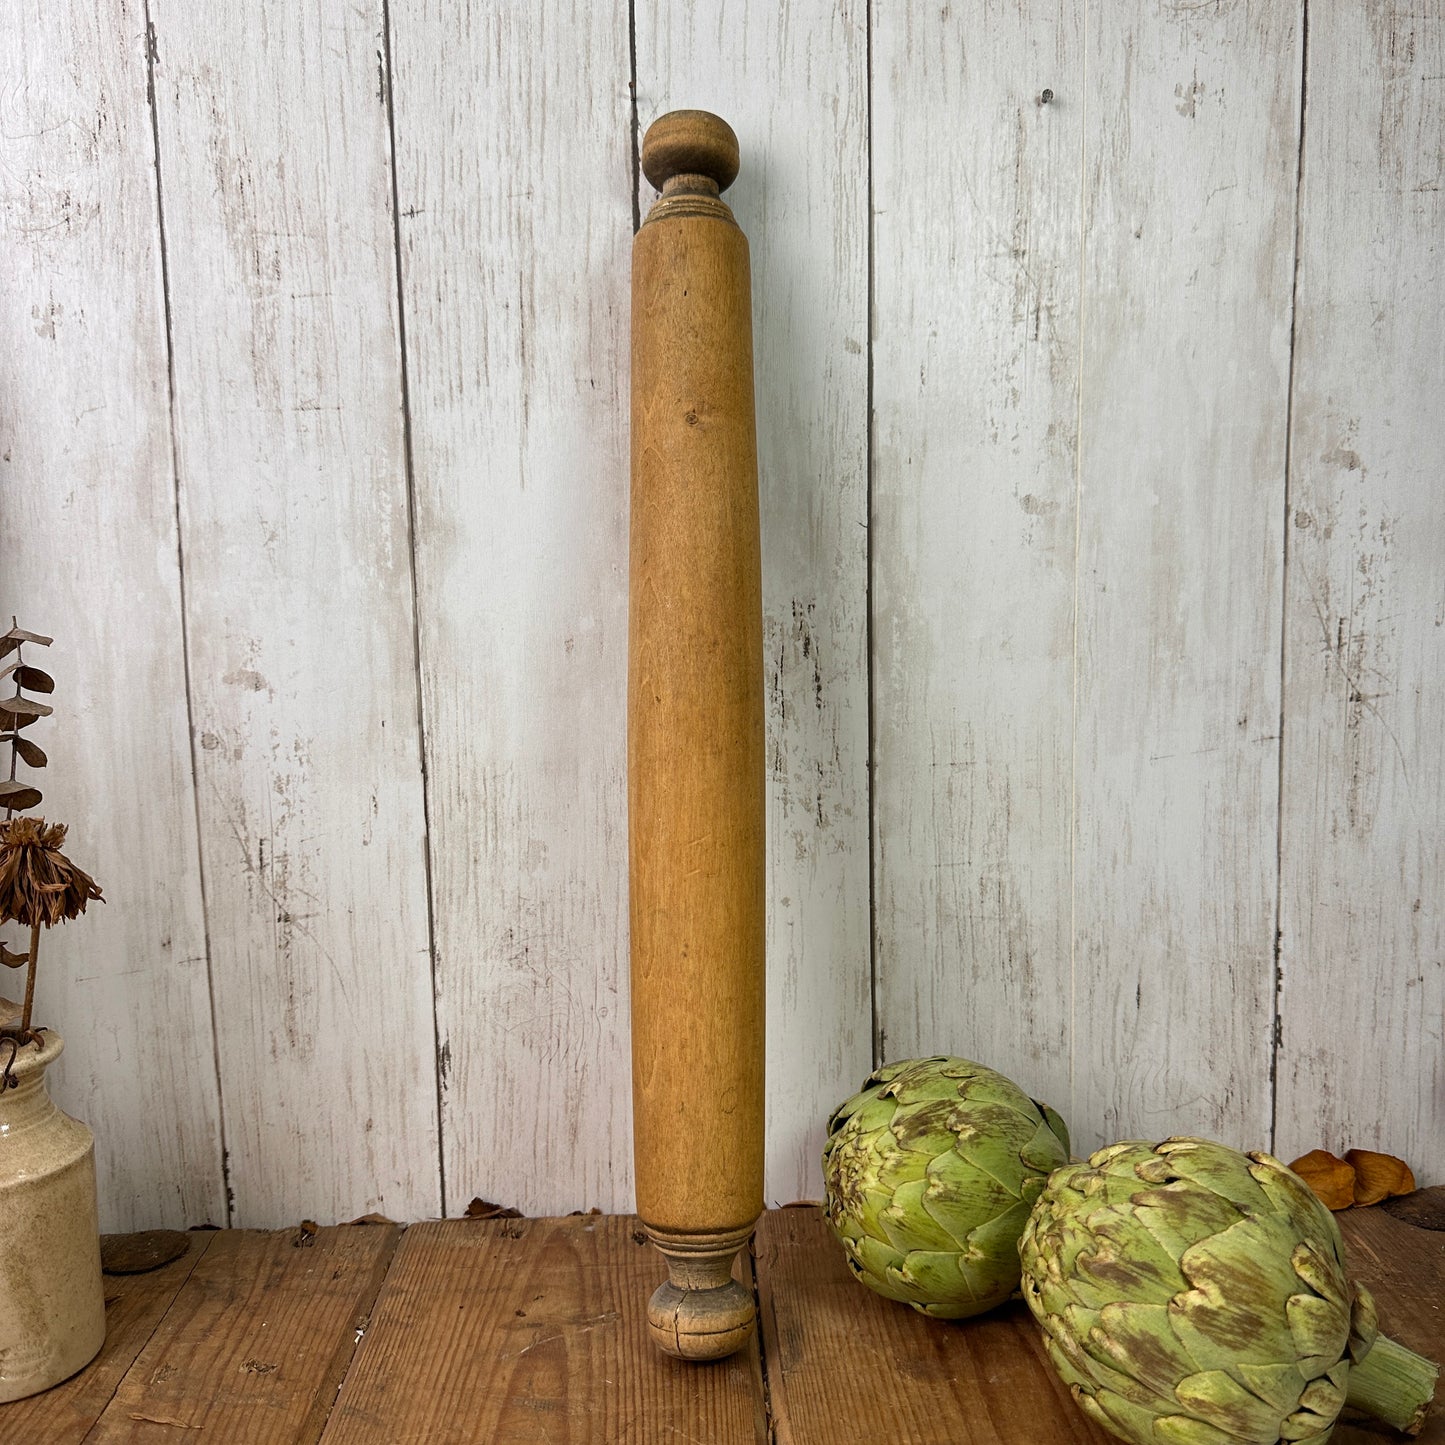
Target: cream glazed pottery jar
(52, 1300)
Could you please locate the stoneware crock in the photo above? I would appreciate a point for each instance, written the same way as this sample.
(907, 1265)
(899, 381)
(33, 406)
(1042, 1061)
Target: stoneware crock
(52, 1300)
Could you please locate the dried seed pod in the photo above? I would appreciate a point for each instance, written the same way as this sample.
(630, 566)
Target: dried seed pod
(1329, 1176)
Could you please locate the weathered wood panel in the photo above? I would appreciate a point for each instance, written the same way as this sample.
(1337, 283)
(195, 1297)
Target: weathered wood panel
(1190, 154)
(276, 186)
(976, 271)
(514, 163)
(1362, 1056)
(88, 554)
(792, 82)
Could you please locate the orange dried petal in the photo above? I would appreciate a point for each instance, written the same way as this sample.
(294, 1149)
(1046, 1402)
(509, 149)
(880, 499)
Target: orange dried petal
(1331, 1178)
(1379, 1176)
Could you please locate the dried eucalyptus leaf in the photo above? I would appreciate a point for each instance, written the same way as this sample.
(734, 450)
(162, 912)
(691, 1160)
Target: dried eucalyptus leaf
(31, 754)
(9, 641)
(34, 679)
(20, 712)
(15, 794)
(13, 960)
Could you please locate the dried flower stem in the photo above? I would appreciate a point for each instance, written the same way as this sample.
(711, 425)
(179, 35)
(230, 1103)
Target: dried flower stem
(30, 980)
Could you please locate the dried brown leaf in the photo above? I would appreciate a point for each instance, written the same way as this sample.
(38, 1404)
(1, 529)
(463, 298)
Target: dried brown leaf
(9, 641)
(30, 753)
(372, 1218)
(1379, 1176)
(34, 679)
(485, 1209)
(1329, 1176)
(20, 712)
(15, 794)
(13, 960)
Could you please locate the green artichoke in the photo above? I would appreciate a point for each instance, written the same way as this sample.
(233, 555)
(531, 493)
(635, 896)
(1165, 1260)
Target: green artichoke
(930, 1172)
(1194, 1295)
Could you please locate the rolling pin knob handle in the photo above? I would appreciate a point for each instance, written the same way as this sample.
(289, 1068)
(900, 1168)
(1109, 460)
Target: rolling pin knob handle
(690, 143)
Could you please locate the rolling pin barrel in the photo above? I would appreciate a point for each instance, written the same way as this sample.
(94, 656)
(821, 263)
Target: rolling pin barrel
(695, 741)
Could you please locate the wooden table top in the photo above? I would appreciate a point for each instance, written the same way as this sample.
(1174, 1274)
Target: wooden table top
(532, 1330)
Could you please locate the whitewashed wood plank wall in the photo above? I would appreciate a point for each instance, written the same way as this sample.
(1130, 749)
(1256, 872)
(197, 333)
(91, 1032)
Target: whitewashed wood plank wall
(1099, 388)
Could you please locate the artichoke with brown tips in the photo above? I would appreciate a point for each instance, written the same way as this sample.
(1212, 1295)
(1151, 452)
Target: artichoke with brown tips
(929, 1173)
(1193, 1295)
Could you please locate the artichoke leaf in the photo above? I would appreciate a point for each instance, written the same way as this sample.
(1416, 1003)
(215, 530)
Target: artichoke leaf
(1120, 1415)
(959, 1196)
(877, 1266)
(1138, 1340)
(1279, 1386)
(1324, 1397)
(937, 1275)
(907, 1223)
(1293, 1199)
(1043, 1149)
(1217, 1169)
(923, 1127)
(894, 1167)
(1305, 1428)
(1321, 1273)
(1125, 1262)
(1364, 1324)
(1057, 1127)
(1215, 1396)
(1319, 1333)
(1179, 1214)
(1185, 1430)
(1237, 1306)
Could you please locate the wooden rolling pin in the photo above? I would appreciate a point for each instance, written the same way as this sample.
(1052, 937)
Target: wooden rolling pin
(695, 741)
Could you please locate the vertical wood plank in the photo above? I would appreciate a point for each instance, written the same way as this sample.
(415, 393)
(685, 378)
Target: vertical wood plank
(513, 171)
(792, 82)
(1362, 1056)
(1191, 145)
(976, 200)
(88, 554)
(276, 188)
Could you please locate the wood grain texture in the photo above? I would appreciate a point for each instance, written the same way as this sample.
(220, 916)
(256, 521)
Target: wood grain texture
(531, 1332)
(134, 1307)
(257, 1342)
(513, 178)
(695, 722)
(276, 188)
(1190, 150)
(1362, 1004)
(792, 81)
(1404, 1268)
(88, 555)
(976, 195)
(844, 1365)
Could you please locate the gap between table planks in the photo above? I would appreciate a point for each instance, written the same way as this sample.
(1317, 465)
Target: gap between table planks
(531, 1330)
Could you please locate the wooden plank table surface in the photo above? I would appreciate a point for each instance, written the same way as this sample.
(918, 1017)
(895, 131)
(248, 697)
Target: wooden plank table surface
(531, 1332)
